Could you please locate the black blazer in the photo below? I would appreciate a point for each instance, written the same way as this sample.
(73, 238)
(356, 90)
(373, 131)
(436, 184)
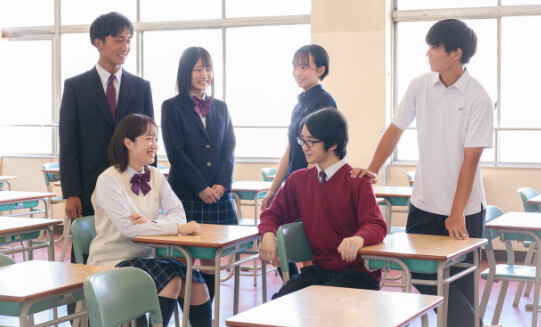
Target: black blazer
(86, 128)
(199, 156)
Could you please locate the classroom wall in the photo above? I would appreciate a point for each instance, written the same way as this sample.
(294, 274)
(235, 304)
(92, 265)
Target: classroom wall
(356, 35)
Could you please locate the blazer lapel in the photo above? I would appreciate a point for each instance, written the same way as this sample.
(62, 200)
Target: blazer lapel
(187, 106)
(93, 83)
(124, 96)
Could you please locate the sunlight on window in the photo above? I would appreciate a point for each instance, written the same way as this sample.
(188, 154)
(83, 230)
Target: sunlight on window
(16, 13)
(74, 12)
(247, 8)
(438, 4)
(174, 10)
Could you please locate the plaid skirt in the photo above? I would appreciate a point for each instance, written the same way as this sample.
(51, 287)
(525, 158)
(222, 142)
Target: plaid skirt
(222, 212)
(162, 270)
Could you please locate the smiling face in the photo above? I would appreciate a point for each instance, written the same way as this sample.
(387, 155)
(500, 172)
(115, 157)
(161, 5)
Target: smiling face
(317, 153)
(114, 51)
(201, 78)
(143, 150)
(306, 74)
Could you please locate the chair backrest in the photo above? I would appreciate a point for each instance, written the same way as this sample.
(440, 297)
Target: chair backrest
(266, 172)
(410, 175)
(5, 260)
(118, 296)
(525, 194)
(160, 166)
(292, 244)
(50, 177)
(83, 231)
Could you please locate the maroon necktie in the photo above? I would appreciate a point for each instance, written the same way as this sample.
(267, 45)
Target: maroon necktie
(322, 177)
(111, 96)
(140, 182)
(201, 106)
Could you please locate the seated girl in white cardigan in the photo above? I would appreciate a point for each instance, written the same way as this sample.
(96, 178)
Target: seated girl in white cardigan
(126, 202)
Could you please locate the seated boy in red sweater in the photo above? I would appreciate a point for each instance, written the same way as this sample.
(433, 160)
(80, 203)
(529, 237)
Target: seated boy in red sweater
(339, 213)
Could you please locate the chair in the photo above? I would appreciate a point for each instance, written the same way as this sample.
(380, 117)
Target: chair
(525, 194)
(292, 246)
(50, 178)
(410, 175)
(83, 231)
(118, 296)
(500, 272)
(268, 172)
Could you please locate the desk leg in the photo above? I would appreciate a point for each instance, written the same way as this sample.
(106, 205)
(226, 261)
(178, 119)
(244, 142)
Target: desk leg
(476, 287)
(264, 280)
(9, 185)
(237, 285)
(217, 257)
(535, 309)
(188, 288)
(46, 204)
(50, 239)
(388, 214)
(442, 309)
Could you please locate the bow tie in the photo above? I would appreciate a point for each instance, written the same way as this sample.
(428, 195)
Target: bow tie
(201, 106)
(140, 182)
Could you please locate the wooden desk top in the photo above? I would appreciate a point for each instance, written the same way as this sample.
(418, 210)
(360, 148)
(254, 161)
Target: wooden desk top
(336, 306)
(7, 178)
(13, 196)
(211, 236)
(536, 199)
(525, 221)
(30, 280)
(250, 186)
(424, 247)
(393, 191)
(51, 170)
(15, 225)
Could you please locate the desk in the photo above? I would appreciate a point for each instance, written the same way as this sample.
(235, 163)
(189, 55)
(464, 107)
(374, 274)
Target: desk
(48, 284)
(426, 254)
(14, 230)
(522, 226)
(249, 190)
(214, 242)
(338, 306)
(535, 200)
(14, 200)
(392, 195)
(7, 179)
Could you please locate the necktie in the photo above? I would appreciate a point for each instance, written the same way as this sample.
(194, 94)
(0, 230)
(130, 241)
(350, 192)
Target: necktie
(201, 106)
(111, 95)
(322, 177)
(140, 182)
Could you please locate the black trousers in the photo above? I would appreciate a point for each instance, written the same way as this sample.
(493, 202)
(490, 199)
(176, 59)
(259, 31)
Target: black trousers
(461, 300)
(315, 275)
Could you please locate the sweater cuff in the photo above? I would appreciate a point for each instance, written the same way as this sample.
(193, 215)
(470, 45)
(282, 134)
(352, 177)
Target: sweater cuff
(266, 228)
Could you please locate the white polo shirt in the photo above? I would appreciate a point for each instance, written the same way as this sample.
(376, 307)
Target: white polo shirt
(448, 120)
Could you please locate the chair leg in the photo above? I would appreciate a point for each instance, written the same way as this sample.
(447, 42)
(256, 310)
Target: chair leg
(66, 236)
(499, 304)
(530, 285)
(486, 296)
(527, 262)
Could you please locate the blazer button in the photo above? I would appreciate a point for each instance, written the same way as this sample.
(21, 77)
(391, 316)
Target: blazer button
(209, 164)
(208, 146)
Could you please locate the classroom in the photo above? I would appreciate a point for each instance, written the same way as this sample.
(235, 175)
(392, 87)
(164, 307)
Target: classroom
(376, 48)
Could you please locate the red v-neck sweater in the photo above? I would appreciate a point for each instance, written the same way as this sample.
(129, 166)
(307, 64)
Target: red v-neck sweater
(342, 207)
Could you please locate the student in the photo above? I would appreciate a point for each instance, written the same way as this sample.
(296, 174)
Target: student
(200, 142)
(340, 214)
(310, 65)
(127, 201)
(93, 104)
(454, 125)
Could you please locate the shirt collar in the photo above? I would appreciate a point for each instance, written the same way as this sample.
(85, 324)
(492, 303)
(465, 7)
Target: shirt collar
(104, 75)
(130, 171)
(460, 84)
(310, 93)
(329, 172)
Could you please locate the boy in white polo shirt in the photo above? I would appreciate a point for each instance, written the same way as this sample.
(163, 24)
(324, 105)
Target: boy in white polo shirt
(454, 124)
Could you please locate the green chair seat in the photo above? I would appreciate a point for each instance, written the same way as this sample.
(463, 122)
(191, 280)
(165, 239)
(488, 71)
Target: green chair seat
(397, 229)
(511, 271)
(400, 202)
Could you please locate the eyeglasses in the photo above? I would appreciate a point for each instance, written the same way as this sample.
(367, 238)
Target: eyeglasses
(308, 143)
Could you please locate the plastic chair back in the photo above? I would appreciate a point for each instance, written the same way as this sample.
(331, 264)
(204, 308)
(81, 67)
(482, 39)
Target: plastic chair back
(292, 245)
(410, 175)
(160, 166)
(50, 177)
(525, 194)
(83, 231)
(5, 260)
(266, 172)
(118, 296)
(493, 212)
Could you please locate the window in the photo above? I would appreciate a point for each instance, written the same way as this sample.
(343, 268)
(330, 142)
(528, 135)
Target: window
(506, 72)
(251, 43)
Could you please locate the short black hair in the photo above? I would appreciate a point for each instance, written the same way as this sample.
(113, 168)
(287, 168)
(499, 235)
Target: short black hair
(186, 64)
(131, 126)
(330, 126)
(453, 34)
(109, 24)
(320, 55)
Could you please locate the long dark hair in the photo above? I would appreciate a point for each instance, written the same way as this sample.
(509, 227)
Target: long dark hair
(132, 126)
